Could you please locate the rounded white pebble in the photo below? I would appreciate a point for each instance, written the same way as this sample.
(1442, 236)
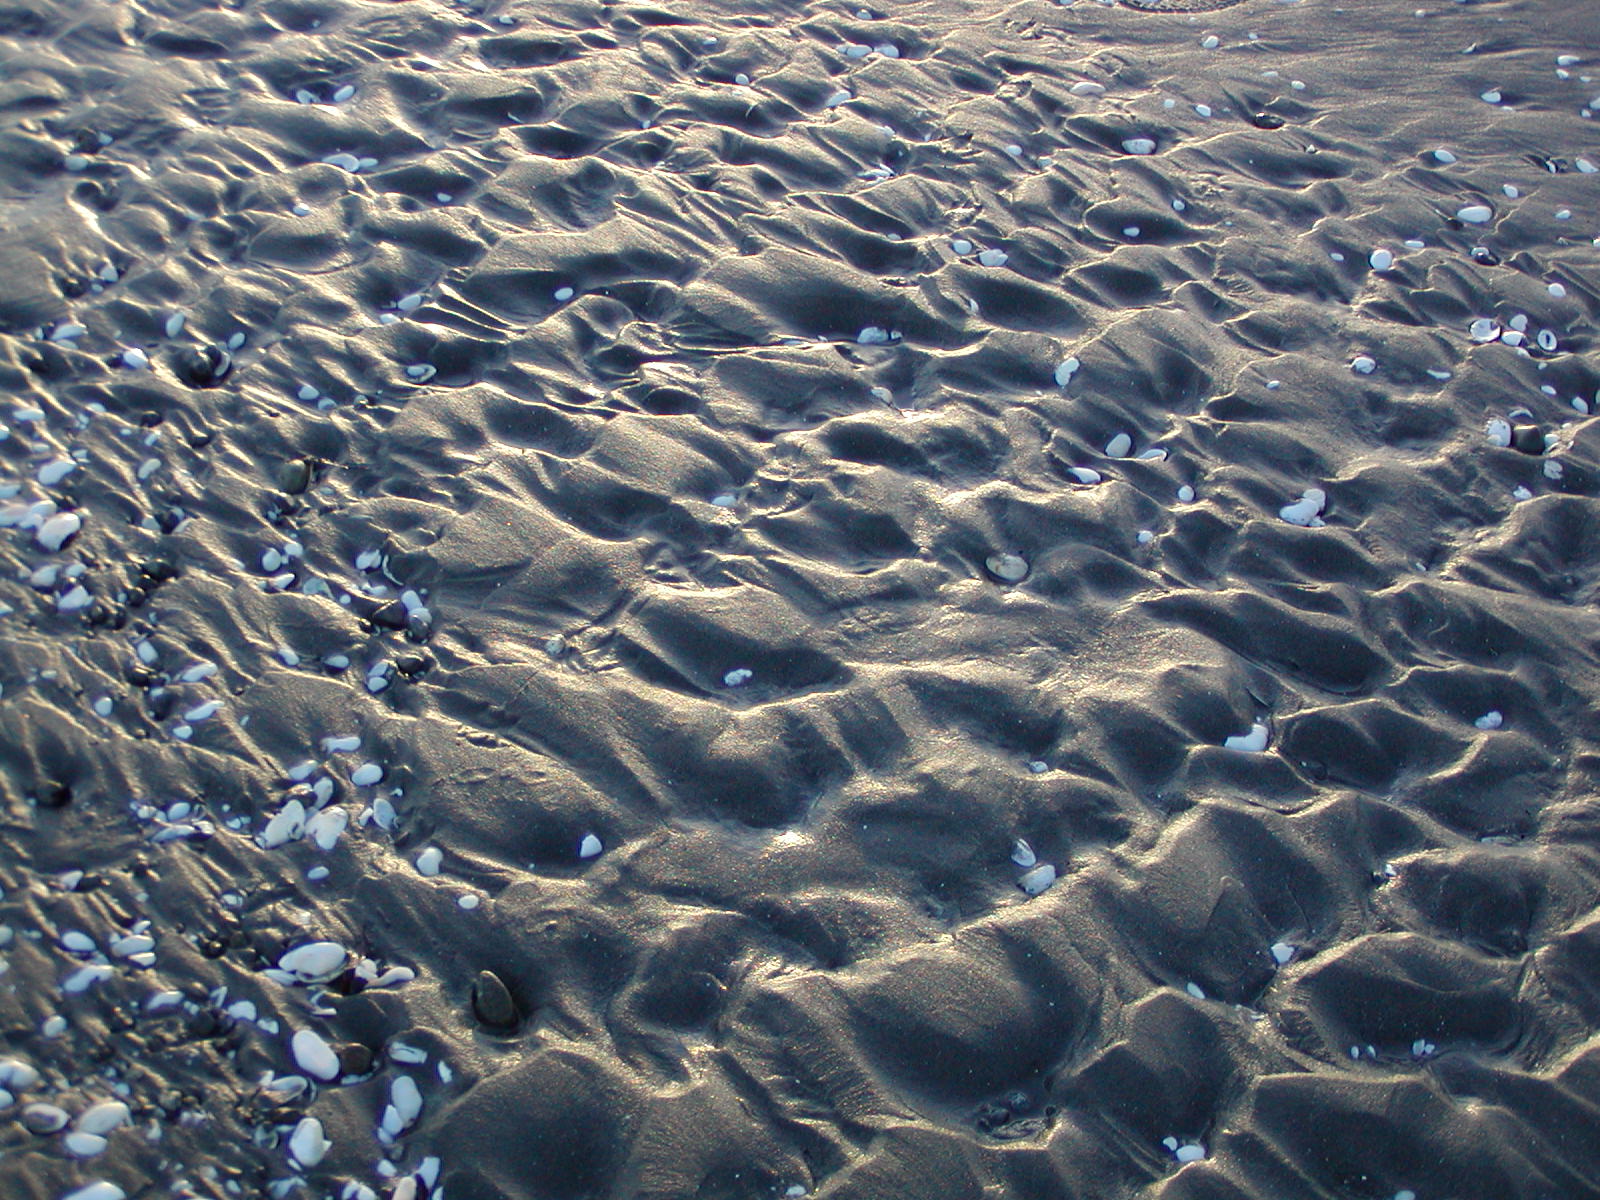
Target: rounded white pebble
(1492, 719)
(429, 861)
(1282, 952)
(1381, 260)
(366, 775)
(1185, 494)
(590, 846)
(564, 294)
(1119, 446)
(993, 258)
(1498, 431)
(1190, 1153)
(1065, 370)
(1363, 364)
(1139, 145)
(738, 677)
(1474, 214)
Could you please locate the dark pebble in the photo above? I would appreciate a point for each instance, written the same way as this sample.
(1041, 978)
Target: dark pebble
(204, 366)
(55, 795)
(1266, 120)
(492, 1003)
(1528, 439)
(354, 1059)
(294, 476)
(1485, 257)
(391, 615)
(413, 664)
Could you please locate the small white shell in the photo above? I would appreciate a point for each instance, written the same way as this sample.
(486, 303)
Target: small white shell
(1038, 880)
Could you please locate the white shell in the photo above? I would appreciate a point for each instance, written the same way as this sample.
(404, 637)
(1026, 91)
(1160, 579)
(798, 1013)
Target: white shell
(313, 1055)
(1307, 510)
(315, 961)
(102, 1118)
(1011, 568)
(307, 1145)
(98, 1190)
(1255, 741)
(1039, 879)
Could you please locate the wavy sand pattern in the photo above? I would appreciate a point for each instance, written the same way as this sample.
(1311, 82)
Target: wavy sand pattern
(617, 535)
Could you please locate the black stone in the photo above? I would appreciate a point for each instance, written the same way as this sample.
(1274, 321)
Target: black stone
(55, 795)
(1527, 438)
(492, 1003)
(204, 366)
(294, 476)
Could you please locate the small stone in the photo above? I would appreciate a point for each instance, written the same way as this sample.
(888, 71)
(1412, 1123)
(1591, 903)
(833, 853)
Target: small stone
(492, 1003)
(294, 476)
(1008, 568)
(1527, 438)
(203, 366)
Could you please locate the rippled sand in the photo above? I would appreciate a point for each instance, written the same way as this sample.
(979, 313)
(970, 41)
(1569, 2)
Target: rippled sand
(956, 601)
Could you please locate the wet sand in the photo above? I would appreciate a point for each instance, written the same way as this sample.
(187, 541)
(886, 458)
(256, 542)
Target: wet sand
(956, 601)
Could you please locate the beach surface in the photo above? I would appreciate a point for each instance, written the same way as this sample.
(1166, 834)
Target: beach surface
(727, 599)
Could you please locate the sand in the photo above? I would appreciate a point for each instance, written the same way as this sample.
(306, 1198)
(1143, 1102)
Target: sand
(597, 528)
